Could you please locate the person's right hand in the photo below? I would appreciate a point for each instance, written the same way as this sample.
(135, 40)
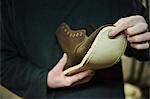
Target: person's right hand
(56, 78)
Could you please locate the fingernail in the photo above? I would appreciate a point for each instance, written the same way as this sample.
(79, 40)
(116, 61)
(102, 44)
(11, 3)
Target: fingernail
(111, 35)
(64, 54)
(115, 24)
(147, 45)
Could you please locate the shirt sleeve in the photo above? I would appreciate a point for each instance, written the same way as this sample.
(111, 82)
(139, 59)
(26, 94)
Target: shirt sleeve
(17, 73)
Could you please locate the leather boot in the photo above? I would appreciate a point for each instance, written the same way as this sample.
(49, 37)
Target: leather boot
(75, 43)
(96, 51)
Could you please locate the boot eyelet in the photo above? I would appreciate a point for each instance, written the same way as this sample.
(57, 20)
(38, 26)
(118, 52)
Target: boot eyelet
(77, 34)
(80, 34)
(70, 35)
(65, 30)
(73, 35)
(68, 32)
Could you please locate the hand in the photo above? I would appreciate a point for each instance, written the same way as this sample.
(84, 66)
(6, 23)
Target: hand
(136, 30)
(56, 78)
(84, 80)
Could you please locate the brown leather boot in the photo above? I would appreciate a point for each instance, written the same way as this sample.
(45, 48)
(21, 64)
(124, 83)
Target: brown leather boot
(75, 43)
(97, 51)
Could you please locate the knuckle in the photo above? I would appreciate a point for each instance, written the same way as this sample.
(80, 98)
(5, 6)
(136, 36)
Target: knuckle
(136, 18)
(125, 24)
(135, 39)
(140, 17)
(134, 46)
(145, 25)
(128, 31)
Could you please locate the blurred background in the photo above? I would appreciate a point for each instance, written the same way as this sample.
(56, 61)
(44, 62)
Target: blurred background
(136, 73)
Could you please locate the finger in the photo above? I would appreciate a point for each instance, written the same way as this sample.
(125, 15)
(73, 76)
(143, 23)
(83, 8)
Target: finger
(119, 21)
(138, 28)
(85, 80)
(62, 62)
(79, 76)
(140, 46)
(132, 19)
(119, 28)
(139, 38)
(126, 23)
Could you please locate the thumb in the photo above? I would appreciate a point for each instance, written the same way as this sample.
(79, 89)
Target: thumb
(62, 62)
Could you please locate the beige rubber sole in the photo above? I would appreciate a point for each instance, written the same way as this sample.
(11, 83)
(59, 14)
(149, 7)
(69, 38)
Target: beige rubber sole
(91, 60)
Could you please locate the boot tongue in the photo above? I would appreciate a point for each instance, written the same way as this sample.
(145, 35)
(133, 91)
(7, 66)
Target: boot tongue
(94, 34)
(86, 44)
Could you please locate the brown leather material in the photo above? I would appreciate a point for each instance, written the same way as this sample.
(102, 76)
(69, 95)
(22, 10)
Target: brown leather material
(75, 43)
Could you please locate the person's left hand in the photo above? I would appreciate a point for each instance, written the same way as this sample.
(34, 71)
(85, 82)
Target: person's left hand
(136, 29)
